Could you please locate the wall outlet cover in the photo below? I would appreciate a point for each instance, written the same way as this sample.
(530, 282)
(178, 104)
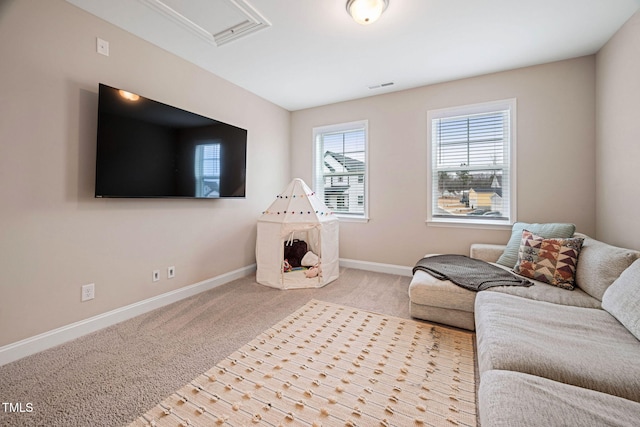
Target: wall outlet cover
(88, 292)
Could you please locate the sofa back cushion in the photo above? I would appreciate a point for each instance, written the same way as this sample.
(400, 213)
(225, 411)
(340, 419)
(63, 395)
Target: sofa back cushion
(600, 264)
(622, 299)
(550, 230)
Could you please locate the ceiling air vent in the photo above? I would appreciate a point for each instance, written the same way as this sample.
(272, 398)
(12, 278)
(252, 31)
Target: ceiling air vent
(381, 85)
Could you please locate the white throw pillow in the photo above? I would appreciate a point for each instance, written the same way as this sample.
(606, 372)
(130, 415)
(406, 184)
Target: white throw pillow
(309, 259)
(622, 299)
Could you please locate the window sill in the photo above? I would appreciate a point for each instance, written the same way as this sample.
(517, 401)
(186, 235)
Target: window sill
(347, 218)
(478, 224)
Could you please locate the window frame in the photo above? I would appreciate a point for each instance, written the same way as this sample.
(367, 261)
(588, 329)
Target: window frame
(318, 165)
(468, 110)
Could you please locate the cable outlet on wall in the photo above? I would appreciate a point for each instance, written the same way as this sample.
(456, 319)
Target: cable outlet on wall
(171, 272)
(102, 46)
(156, 275)
(88, 292)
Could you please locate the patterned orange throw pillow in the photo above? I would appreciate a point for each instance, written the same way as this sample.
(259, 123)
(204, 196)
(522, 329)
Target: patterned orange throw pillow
(552, 261)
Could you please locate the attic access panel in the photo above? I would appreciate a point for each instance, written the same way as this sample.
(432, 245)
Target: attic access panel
(216, 21)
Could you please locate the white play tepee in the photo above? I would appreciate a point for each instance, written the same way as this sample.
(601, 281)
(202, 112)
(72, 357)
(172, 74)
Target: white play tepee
(297, 213)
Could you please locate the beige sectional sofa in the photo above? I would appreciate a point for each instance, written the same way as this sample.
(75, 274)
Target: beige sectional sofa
(549, 356)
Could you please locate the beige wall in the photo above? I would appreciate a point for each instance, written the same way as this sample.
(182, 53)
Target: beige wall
(54, 235)
(555, 157)
(618, 137)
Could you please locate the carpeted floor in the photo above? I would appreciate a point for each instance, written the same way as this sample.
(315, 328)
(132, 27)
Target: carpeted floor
(110, 377)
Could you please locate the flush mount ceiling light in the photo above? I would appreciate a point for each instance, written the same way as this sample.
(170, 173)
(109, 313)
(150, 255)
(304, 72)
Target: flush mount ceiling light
(366, 11)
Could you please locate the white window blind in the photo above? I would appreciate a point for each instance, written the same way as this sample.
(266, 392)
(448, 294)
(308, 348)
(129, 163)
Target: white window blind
(472, 176)
(340, 168)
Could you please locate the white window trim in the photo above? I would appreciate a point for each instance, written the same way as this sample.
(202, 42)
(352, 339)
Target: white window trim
(469, 110)
(342, 127)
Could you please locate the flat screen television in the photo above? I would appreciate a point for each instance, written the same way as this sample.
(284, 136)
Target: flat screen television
(149, 149)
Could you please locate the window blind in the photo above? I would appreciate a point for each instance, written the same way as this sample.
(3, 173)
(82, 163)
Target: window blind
(470, 166)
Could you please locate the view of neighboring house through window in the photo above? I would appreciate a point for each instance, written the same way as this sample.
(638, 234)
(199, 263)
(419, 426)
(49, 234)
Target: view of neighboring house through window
(472, 178)
(207, 169)
(340, 167)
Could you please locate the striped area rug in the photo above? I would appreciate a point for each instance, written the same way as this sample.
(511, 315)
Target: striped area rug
(331, 365)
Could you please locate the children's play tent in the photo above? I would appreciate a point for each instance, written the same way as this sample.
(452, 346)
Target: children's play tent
(297, 214)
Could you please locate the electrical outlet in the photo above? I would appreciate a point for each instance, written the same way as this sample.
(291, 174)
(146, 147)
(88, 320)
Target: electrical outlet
(102, 46)
(171, 272)
(88, 292)
(156, 275)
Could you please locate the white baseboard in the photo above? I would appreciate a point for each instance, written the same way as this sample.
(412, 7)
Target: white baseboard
(35, 344)
(399, 270)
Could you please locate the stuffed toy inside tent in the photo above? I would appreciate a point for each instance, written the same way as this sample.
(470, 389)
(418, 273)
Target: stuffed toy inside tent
(297, 243)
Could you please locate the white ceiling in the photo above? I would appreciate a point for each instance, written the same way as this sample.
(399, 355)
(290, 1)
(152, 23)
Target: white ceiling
(305, 53)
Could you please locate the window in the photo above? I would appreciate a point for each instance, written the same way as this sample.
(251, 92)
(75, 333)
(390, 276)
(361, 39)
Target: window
(340, 168)
(472, 174)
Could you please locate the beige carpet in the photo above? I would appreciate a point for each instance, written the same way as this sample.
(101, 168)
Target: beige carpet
(327, 364)
(110, 377)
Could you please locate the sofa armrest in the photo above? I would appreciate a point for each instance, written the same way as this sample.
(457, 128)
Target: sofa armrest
(486, 252)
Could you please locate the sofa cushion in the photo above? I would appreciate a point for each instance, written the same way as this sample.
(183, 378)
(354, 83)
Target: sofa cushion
(600, 264)
(549, 230)
(509, 399)
(545, 292)
(622, 299)
(584, 347)
(552, 261)
(427, 290)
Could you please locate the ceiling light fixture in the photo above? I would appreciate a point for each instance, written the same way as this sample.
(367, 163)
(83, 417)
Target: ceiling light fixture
(366, 11)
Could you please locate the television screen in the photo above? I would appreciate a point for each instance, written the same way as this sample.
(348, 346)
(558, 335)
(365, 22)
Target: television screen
(149, 149)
